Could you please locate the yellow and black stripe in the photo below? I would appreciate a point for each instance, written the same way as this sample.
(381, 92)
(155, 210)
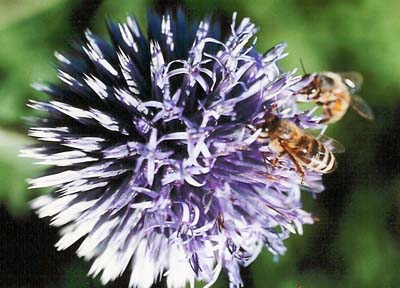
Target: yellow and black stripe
(313, 154)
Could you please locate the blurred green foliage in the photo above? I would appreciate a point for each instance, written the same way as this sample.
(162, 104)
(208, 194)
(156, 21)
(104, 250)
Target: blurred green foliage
(356, 242)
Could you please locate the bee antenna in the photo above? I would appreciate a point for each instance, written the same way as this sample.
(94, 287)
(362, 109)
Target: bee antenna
(302, 66)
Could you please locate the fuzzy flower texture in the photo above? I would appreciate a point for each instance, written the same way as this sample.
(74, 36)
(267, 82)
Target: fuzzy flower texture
(153, 164)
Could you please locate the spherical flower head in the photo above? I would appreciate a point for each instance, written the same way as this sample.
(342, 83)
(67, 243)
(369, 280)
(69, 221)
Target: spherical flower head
(153, 160)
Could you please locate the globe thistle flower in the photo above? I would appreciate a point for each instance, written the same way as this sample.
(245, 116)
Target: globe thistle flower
(153, 164)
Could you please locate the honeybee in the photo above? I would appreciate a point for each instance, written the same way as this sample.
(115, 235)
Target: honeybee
(306, 151)
(335, 93)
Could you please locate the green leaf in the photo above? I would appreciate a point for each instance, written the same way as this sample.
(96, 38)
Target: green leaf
(75, 275)
(371, 253)
(14, 11)
(26, 54)
(14, 171)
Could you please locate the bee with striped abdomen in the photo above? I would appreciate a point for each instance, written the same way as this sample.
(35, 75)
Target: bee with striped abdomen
(335, 93)
(306, 151)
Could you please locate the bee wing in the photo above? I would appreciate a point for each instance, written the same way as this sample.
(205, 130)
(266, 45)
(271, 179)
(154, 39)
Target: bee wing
(361, 107)
(353, 80)
(333, 145)
(330, 143)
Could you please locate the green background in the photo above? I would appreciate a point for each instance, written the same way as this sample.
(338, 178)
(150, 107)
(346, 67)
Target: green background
(356, 241)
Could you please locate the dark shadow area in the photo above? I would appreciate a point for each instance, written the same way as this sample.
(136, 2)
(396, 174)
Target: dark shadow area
(387, 149)
(332, 204)
(247, 278)
(82, 14)
(386, 160)
(167, 6)
(31, 258)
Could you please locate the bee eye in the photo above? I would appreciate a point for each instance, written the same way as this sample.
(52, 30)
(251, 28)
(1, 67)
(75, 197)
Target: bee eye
(327, 82)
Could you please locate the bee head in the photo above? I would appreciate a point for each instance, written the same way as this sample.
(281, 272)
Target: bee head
(326, 82)
(282, 129)
(312, 87)
(270, 119)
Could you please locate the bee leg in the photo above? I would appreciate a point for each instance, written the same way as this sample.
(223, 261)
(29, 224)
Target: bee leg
(325, 120)
(327, 114)
(315, 96)
(265, 155)
(265, 158)
(276, 159)
(299, 168)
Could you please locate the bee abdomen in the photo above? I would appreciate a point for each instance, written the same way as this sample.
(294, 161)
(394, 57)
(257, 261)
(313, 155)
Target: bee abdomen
(323, 160)
(335, 110)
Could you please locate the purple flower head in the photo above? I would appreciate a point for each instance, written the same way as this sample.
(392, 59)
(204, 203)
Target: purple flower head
(153, 164)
